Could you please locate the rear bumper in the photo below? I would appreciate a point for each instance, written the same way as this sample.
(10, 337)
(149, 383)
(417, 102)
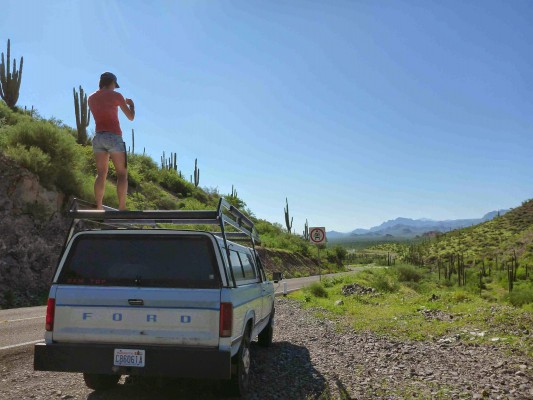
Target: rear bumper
(160, 360)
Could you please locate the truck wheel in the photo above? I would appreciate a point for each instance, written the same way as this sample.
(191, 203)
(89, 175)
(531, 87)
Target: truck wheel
(100, 381)
(238, 385)
(265, 337)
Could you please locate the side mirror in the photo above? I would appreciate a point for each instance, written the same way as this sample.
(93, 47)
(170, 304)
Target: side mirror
(277, 276)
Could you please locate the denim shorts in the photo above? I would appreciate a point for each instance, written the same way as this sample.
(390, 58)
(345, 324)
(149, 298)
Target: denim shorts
(108, 142)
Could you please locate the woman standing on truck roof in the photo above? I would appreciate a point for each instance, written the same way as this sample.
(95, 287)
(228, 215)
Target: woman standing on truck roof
(107, 141)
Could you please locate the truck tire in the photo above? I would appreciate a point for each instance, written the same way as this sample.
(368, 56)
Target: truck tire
(240, 379)
(100, 381)
(265, 337)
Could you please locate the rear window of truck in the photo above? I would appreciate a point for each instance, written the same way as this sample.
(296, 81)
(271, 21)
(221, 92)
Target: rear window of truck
(141, 260)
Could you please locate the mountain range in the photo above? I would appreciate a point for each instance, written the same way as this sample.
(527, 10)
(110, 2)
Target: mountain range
(409, 228)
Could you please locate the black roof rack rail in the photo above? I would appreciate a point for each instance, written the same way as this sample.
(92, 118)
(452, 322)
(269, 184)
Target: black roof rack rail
(225, 214)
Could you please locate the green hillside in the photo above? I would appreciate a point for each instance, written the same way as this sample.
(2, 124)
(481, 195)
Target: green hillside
(499, 239)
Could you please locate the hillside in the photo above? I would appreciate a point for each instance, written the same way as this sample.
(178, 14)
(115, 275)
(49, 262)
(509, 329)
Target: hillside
(499, 238)
(42, 167)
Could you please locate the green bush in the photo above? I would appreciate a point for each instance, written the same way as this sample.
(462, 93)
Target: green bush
(460, 296)
(317, 289)
(170, 180)
(9, 116)
(31, 158)
(408, 273)
(384, 283)
(520, 296)
(52, 141)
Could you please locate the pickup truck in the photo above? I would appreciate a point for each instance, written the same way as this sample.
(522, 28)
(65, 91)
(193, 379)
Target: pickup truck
(138, 300)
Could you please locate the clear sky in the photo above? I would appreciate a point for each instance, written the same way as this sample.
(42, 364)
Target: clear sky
(357, 111)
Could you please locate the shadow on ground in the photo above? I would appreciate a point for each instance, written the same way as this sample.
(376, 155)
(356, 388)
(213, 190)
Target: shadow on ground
(281, 371)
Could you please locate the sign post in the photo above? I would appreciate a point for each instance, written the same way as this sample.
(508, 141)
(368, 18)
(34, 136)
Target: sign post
(317, 236)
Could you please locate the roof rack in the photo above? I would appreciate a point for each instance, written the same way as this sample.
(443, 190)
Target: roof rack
(225, 214)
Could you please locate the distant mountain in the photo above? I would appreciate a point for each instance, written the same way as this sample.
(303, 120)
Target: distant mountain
(408, 227)
(335, 235)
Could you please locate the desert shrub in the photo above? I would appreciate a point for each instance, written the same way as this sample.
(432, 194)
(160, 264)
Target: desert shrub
(384, 283)
(340, 253)
(166, 203)
(408, 273)
(87, 191)
(304, 248)
(328, 283)
(317, 289)
(170, 180)
(61, 148)
(414, 286)
(200, 195)
(31, 158)
(146, 167)
(137, 201)
(460, 296)
(521, 295)
(9, 116)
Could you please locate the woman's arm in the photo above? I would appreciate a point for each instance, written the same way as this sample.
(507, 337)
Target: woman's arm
(128, 108)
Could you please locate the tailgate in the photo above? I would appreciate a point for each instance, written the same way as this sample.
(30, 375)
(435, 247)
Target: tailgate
(188, 317)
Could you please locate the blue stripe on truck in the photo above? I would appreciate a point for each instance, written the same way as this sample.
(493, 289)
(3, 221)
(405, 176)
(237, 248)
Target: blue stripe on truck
(114, 306)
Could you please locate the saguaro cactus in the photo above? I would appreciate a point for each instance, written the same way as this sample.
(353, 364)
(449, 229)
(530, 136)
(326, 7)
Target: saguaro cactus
(306, 230)
(10, 80)
(196, 173)
(288, 220)
(233, 192)
(132, 141)
(83, 115)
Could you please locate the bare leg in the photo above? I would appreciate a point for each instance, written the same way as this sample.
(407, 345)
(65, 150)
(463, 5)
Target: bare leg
(102, 164)
(119, 160)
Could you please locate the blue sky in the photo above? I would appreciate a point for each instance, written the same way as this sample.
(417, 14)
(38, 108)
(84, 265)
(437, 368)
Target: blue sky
(357, 111)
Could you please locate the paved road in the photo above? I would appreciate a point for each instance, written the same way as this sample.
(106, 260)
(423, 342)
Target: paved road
(21, 325)
(25, 326)
(298, 283)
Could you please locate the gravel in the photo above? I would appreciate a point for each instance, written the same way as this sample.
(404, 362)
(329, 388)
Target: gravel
(313, 358)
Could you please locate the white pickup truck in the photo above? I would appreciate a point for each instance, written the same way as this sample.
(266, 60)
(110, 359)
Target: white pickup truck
(128, 299)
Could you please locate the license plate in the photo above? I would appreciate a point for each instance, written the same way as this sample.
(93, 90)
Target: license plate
(129, 358)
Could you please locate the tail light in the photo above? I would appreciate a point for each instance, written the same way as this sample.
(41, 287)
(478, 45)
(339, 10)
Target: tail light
(226, 319)
(50, 312)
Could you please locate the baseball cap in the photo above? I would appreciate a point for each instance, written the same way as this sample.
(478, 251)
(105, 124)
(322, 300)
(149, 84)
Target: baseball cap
(110, 75)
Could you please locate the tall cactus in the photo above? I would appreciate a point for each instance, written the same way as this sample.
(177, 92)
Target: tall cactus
(196, 173)
(83, 115)
(233, 192)
(306, 230)
(132, 141)
(10, 80)
(288, 220)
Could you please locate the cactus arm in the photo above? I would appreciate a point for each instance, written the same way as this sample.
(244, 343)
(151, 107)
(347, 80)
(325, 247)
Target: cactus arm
(19, 74)
(2, 77)
(8, 59)
(76, 108)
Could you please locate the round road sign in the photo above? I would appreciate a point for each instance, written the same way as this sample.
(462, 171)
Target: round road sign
(317, 235)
